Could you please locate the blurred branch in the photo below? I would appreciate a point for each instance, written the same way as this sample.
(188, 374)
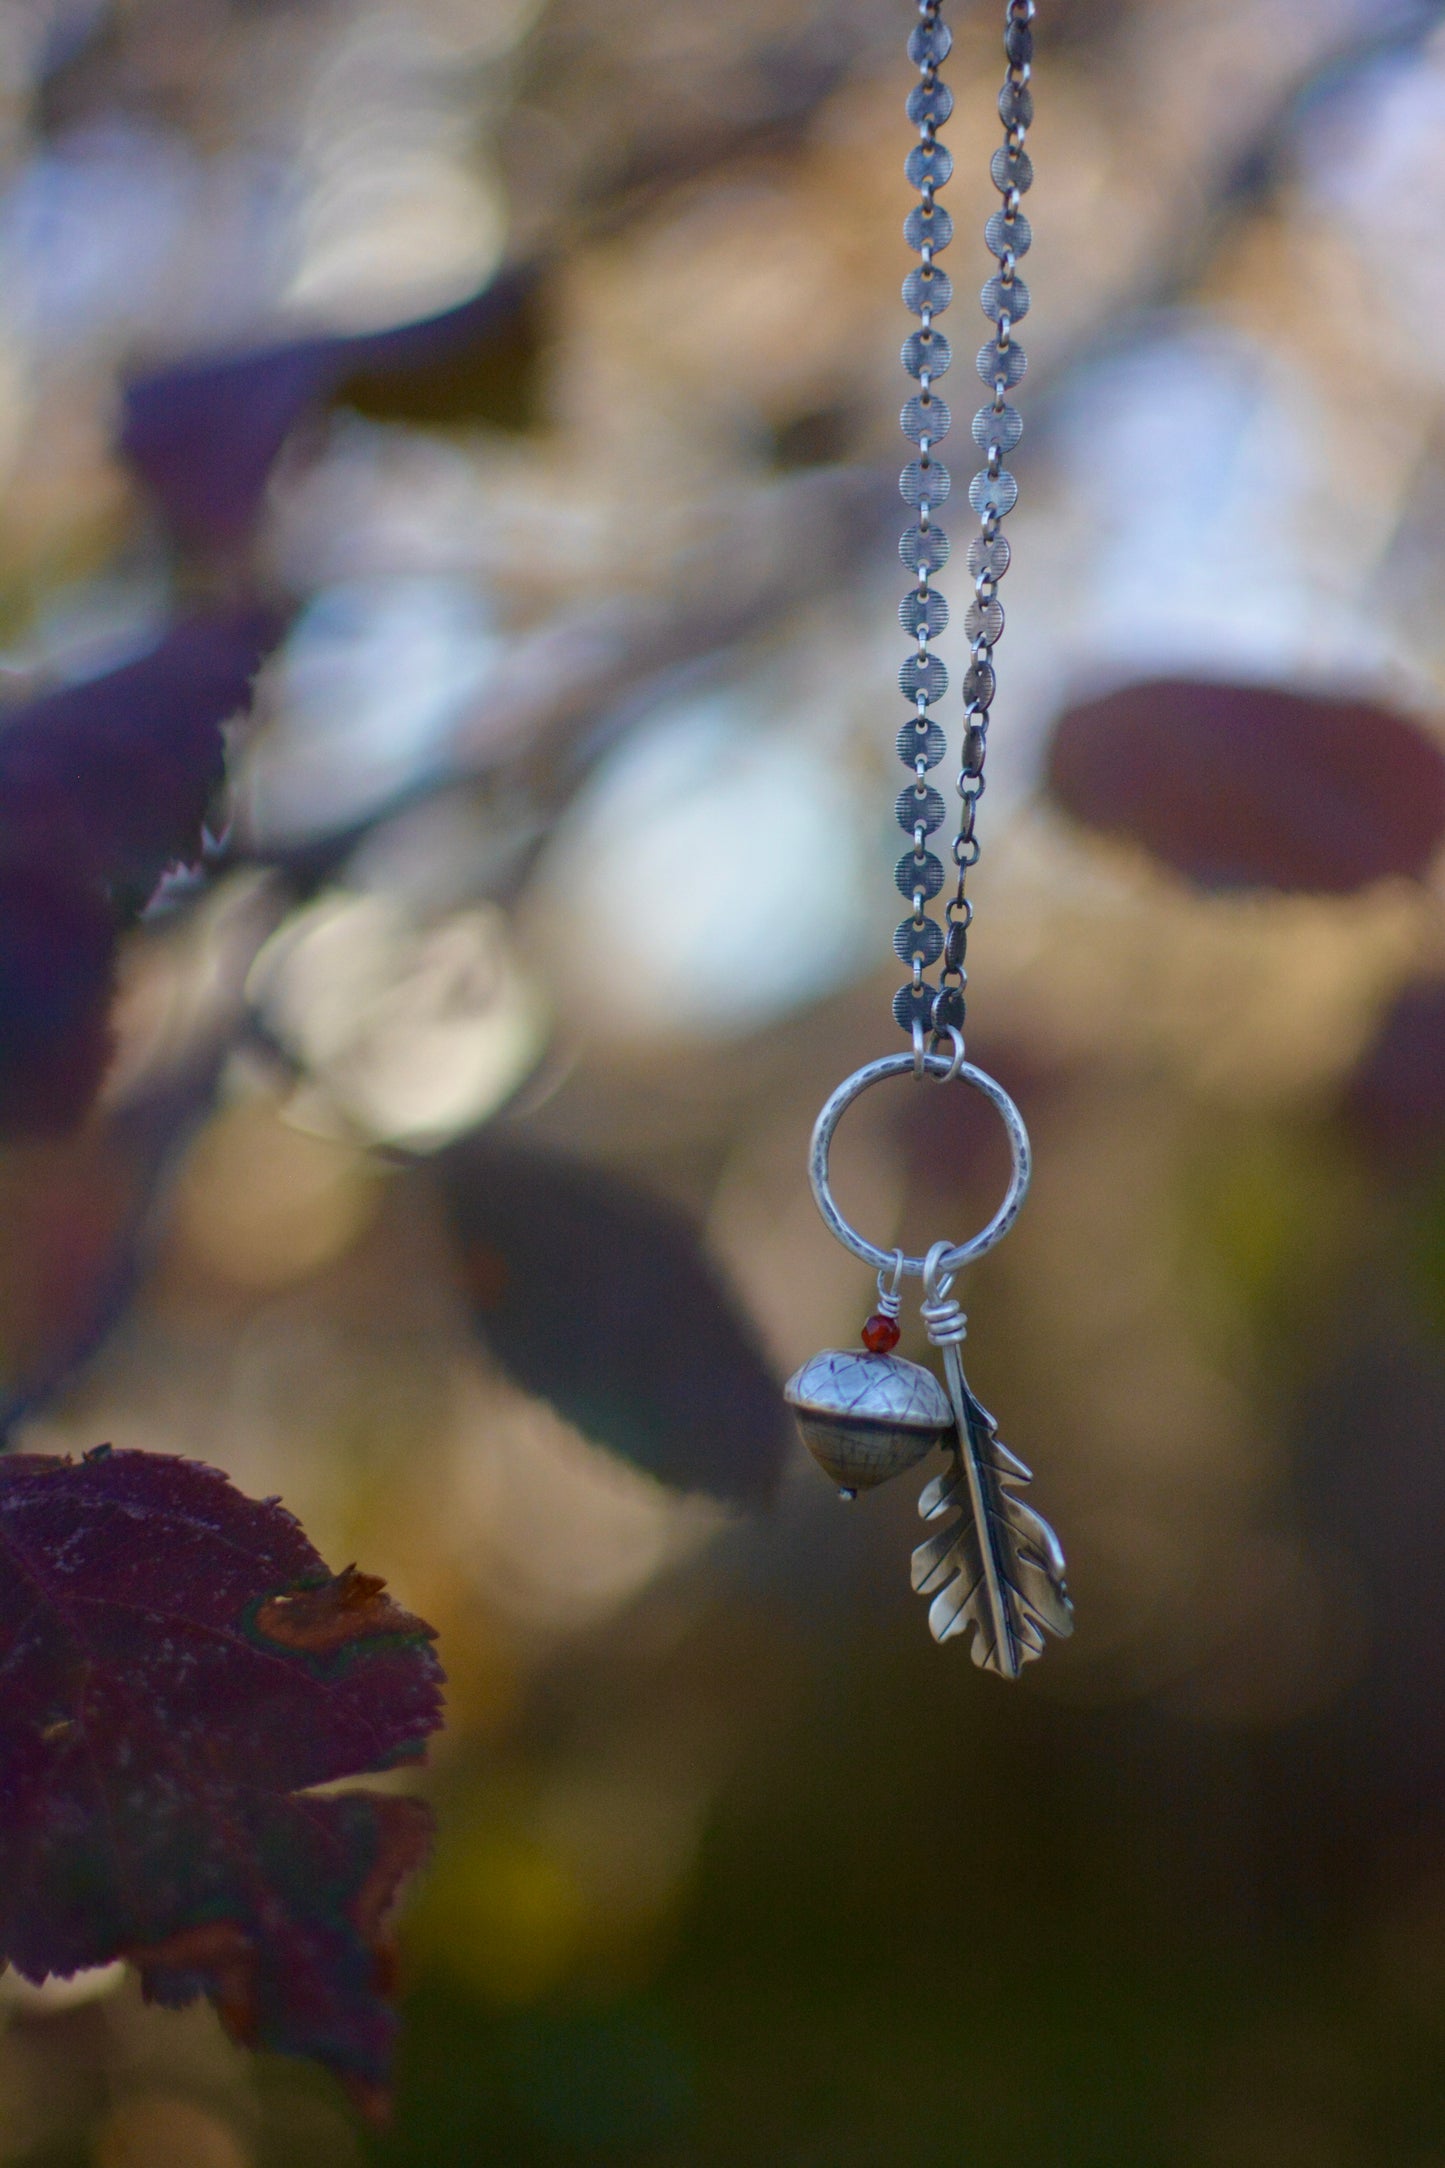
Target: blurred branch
(567, 691)
(1249, 169)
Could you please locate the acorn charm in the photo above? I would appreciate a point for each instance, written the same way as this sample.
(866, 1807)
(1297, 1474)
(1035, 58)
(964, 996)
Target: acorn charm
(865, 1417)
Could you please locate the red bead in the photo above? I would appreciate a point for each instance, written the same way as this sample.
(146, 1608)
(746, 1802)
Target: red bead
(881, 1334)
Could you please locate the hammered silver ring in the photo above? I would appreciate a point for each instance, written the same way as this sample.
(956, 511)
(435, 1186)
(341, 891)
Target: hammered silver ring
(946, 1069)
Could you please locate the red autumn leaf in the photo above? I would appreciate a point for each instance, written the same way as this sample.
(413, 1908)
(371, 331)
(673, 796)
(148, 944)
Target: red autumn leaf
(1249, 786)
(177, 1668)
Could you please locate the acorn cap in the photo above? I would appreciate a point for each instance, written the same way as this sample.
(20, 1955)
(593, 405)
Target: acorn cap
(867, 1417)
(848, 1382)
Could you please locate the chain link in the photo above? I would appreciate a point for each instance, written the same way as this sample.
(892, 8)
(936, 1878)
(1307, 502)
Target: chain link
(997, 427)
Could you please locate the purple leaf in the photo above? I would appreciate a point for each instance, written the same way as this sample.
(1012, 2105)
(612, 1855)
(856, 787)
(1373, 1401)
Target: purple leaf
(601, 1299)
(1397, 1094)
(111, 779)
(103, 786)
(205, 434)
(57, 969)
(177, 1665)
(1251, 786)
(1357, 1792)
(74, 1213)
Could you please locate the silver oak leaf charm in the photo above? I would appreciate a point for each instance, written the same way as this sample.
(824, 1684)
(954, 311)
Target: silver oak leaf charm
(998, 1567)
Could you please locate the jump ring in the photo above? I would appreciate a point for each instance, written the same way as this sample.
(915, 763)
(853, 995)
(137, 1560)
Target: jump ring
(956, 1065)
(947, 1069)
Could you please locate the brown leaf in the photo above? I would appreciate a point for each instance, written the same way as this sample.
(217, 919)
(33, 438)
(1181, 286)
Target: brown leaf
(347, 1608)
(1253, 786)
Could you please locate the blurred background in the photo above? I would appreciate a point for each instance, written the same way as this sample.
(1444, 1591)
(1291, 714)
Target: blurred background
(531, 366)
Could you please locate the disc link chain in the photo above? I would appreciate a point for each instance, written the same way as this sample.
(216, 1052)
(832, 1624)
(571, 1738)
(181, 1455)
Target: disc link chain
(920, 941)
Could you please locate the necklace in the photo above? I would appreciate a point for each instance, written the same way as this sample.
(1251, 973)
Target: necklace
(868, 1414)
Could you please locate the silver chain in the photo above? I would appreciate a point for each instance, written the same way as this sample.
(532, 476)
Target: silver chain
(920, 942)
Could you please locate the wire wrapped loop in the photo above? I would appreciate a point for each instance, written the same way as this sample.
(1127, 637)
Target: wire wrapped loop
(946, 1323)
(890, 1284)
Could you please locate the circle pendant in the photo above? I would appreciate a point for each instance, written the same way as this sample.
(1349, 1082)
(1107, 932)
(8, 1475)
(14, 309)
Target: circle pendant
(947, 1070)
